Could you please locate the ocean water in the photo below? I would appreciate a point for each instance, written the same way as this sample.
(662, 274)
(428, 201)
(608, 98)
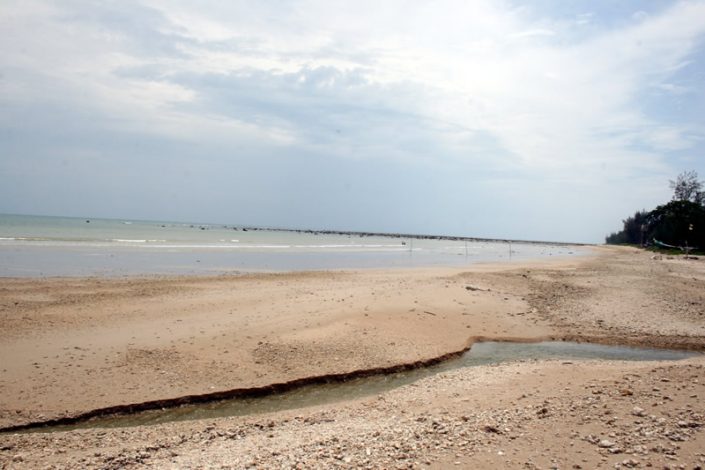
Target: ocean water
(37, 246)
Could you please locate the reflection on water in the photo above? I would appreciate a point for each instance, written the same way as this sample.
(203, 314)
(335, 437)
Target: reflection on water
(480, 354)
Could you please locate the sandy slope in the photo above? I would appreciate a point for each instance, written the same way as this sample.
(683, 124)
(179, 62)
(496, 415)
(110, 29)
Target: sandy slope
(71, 345)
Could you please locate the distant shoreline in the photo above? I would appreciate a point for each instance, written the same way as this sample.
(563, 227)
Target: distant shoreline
(360, 233)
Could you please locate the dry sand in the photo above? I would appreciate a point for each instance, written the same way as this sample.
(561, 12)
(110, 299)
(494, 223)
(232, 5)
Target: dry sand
(70, 345)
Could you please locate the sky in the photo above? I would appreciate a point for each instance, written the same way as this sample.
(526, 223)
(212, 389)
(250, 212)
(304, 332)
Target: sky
(543, 120)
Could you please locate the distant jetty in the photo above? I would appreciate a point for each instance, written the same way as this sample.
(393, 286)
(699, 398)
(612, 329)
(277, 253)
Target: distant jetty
(412, 236)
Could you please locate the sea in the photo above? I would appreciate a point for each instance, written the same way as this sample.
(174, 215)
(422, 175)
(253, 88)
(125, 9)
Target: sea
(44, 246)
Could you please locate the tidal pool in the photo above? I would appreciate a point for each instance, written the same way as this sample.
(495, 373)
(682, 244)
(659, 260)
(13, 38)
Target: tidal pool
(482, 353)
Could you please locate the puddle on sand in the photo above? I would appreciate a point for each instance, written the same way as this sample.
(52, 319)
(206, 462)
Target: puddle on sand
(480, 354)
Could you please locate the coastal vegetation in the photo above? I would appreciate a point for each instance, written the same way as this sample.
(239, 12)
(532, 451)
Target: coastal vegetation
(680, 223)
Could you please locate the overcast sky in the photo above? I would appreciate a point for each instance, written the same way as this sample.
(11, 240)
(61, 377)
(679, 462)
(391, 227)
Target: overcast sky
(548, 120)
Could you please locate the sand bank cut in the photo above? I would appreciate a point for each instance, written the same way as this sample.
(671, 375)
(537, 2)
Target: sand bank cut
(79, 344)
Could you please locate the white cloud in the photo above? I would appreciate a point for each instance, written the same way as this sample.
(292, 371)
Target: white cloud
(640, 15)
(541, 101)
(582, 19)
(438, 82)
(533, 33)
(673, 88)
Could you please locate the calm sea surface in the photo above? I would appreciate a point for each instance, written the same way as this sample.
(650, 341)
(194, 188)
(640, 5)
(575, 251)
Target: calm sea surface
(36, 246)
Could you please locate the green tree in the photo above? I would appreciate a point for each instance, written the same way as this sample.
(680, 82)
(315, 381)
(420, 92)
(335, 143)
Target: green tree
(678, 223)
(681, 222)
(632, 231)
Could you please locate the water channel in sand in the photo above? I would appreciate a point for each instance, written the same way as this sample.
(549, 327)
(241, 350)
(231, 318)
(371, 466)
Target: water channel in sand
(482, 353)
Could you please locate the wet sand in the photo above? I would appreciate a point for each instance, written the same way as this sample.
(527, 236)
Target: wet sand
(70, 345)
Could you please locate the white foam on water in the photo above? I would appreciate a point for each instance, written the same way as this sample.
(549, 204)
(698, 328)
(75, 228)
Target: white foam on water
(207, 246)
(25, 239)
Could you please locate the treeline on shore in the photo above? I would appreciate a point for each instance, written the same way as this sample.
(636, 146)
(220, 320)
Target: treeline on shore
(680, 223)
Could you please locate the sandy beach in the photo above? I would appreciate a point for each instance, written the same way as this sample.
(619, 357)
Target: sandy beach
(71, 345)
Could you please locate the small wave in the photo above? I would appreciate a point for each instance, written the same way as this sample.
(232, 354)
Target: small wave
(267, 246)
(245, 247)
(347, 246)
(26, 239)
(127, 240)
(232, 247)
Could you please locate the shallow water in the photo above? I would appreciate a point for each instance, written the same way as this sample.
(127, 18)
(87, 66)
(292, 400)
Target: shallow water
(32, 246)
(480, 354)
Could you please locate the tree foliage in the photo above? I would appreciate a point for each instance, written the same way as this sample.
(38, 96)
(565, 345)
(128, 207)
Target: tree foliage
(680, 222)
(687, 187)
(632, 231)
